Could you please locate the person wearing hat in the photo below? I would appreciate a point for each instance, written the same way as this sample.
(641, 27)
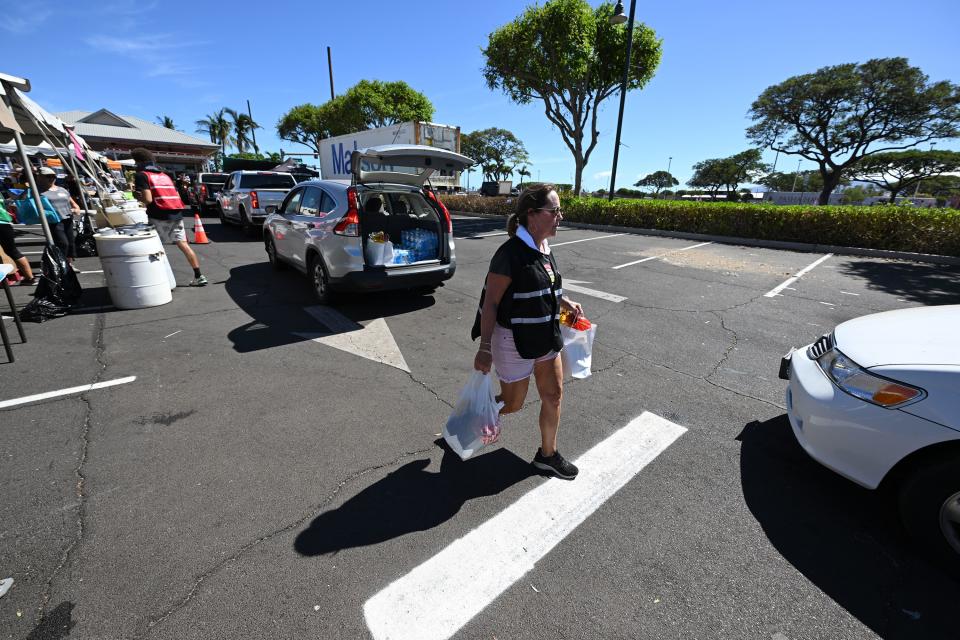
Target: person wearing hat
(27, 210)
(66, 207)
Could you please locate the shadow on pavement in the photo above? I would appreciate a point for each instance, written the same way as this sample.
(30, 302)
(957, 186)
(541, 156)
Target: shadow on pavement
(845, 539)
(923, 283)
(220, 232)
(276, 302)
(56, 624)
(411, 499)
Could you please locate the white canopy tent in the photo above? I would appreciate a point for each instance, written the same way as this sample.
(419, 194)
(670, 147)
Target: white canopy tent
(29, 123)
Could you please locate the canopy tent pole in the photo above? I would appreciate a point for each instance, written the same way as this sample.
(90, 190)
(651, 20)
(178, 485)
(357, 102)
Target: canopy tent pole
(34, 191)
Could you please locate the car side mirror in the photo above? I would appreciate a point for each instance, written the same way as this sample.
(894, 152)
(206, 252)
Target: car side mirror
(270, 208)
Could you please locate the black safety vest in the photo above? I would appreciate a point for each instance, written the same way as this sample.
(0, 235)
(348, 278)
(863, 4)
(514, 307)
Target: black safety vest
(530, 306)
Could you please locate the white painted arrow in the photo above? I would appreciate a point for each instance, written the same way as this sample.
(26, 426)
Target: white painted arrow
(373, 341)
(571, 285)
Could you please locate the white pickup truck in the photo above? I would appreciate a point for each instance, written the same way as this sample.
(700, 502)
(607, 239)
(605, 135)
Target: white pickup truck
(246, 195)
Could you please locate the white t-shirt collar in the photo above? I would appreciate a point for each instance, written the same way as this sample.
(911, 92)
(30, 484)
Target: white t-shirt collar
(524, 235)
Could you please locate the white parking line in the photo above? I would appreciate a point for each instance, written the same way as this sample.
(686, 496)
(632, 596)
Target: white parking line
(443, 594)
(65, 392)
(612, 235)
(572, 285)
(621, 266)
(799, 274)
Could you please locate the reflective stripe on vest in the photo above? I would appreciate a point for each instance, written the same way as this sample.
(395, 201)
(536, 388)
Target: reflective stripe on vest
(165, 195)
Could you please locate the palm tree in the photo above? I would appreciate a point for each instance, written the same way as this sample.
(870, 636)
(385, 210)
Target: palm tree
(243, 126)
(523, 172)
(218, 128)
(166, 121)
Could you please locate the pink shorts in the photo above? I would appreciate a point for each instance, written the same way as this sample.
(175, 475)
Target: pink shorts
(510, 365)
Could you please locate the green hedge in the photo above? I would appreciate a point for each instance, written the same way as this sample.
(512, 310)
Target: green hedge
(481, 204)
(893, 228)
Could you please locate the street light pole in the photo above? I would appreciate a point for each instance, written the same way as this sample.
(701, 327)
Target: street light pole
(669, 162)
(623, 88)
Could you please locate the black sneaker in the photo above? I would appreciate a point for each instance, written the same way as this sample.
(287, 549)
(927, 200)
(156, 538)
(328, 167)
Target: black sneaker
(555, 465)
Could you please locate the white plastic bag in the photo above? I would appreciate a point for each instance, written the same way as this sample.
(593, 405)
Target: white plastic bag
(475, 421)
(378, 253)
(577, 351)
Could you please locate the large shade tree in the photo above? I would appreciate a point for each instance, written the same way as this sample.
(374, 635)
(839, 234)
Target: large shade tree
(729, 172)
(566, 55)
(657, 181)
(380, 104)
(497, 151)
(838, 115)
(899, 171)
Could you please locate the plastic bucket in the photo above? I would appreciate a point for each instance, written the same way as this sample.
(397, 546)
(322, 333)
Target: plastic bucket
(118, 217)
(135, 267)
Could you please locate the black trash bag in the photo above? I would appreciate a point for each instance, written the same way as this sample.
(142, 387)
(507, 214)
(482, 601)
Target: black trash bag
(58, 290)
(86, 245)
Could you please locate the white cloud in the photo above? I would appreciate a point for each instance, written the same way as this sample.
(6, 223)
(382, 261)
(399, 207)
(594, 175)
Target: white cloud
(602, 174)
(24, 19)
(160, 54)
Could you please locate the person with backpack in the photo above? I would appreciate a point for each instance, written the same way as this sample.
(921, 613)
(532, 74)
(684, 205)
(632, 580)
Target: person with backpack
(154, 188)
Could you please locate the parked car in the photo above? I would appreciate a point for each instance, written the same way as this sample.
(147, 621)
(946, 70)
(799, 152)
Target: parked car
(878, 401)
(246, 195)
(206, 187)
(323, 227)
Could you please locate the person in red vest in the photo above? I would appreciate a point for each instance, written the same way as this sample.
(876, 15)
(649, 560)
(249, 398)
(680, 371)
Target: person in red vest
(155, 189)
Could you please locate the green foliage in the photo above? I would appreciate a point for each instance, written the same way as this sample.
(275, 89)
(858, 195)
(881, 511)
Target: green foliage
(804, 181)
(566, 55)
(658, 181)
(368, 104)
(912, 229)
(166, 122)
(218, 127)
(850, 111)
(246, 155)
(497, 151)
(243, 126)
(854, 195)
(496, 205)
(897, 171)
(381, 104)
(942, 186)
(730, 172)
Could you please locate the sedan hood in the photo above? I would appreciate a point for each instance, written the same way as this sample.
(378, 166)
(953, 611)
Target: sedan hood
(917, 336)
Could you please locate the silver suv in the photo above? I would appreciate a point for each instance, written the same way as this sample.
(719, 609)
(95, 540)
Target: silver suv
(381, 230)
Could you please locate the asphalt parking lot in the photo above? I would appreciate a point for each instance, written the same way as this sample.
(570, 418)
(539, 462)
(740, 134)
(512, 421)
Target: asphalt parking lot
(275, 466)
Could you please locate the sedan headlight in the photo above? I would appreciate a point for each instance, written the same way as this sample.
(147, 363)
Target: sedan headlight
(860, 383)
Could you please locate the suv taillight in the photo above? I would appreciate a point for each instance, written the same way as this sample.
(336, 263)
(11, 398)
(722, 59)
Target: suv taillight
(254, 200)
(203, 191)
(349, 225)
(443, 209)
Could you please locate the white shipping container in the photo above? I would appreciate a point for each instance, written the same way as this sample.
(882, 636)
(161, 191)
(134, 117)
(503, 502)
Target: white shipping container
(335, 152)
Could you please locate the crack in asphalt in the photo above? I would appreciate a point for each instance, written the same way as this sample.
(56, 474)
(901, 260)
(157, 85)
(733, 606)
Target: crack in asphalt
(201, 578)
(80, 487)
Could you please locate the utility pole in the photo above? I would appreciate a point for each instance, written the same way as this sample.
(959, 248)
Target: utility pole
(669, 162)
(330, 70)
(623, 97)
(253, 130)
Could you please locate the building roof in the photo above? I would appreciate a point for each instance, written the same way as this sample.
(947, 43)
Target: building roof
(104, 124)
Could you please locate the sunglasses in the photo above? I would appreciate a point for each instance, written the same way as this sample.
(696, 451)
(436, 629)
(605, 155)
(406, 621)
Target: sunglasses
(554, 212)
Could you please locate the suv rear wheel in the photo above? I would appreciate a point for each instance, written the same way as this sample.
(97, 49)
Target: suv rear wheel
(320, 280)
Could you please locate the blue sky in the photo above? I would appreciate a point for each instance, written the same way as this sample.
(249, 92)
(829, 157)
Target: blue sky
(187, 59)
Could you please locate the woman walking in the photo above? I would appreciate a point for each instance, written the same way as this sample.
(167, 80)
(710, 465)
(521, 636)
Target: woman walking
(518, 322)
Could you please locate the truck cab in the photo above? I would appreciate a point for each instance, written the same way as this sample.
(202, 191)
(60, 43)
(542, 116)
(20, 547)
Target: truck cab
(246, 195)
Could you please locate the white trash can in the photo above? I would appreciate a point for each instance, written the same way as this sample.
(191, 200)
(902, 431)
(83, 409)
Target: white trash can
(135, 267)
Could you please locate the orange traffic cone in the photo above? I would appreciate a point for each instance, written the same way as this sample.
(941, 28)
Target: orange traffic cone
(199, 235)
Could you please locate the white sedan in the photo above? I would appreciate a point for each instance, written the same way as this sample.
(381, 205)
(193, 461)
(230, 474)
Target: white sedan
(878, 401)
